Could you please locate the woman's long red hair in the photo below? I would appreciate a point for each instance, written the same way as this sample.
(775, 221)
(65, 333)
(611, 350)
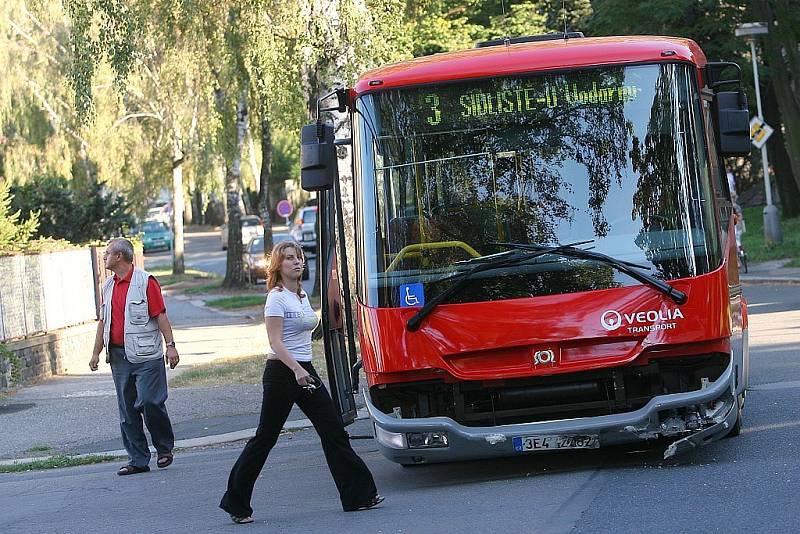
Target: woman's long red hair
(276, 258)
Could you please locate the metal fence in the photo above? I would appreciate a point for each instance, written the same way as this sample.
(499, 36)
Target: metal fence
(46, 292)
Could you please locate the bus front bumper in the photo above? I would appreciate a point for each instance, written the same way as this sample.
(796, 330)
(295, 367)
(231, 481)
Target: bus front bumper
(441, 439)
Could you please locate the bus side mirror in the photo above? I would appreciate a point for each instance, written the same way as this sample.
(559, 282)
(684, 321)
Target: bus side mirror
(732, 123)
(318, 165)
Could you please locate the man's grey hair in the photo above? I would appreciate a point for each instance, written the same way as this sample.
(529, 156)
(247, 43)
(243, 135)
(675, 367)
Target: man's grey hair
(122, 245)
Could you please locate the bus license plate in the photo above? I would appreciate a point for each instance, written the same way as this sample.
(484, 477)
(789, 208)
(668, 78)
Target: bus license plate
(545, 443)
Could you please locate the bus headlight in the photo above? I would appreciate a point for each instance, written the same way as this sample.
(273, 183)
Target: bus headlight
(426, 440)
(393, 440)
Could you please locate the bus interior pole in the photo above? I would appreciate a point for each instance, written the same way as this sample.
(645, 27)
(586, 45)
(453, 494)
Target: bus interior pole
(772, 224)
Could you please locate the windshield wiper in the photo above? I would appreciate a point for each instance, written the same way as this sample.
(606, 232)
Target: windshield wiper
(623, 266)
(493, 262)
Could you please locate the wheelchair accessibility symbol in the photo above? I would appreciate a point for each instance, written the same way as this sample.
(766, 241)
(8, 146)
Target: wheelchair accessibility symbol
(412, 295)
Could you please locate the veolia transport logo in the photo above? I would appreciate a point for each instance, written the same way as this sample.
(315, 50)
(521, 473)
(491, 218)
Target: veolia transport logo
(611, 320)
(641, 321)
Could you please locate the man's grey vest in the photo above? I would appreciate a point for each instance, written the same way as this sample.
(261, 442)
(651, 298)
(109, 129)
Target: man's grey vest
(142, 337)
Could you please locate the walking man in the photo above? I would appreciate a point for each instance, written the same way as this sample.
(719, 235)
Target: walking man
(133, 320)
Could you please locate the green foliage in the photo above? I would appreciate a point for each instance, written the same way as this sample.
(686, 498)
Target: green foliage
(100, 28)
(754, 244)
(14, 233)
(76, 214)
(708, 22)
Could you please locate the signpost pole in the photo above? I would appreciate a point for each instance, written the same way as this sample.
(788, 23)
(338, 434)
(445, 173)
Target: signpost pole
(772, 223)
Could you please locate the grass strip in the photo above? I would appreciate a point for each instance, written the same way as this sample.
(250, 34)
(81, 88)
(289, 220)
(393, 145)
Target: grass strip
(204, 288)
(55, 462)
(753, 238)
(239, 301)
(165, 277)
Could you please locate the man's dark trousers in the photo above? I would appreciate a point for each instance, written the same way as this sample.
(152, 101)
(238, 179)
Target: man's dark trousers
(142, 391)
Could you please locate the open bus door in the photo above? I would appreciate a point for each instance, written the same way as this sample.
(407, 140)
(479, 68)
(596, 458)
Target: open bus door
(319, 173)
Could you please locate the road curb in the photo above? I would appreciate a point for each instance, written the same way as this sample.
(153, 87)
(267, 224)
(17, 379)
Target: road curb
(203, 441)
(769, 280)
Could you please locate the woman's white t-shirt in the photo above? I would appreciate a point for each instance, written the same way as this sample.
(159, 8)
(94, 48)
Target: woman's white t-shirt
(299, 320)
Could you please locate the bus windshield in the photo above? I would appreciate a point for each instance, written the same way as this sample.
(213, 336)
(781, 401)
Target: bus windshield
(612, 155)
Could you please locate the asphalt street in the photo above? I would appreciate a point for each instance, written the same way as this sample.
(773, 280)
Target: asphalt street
(743, 484)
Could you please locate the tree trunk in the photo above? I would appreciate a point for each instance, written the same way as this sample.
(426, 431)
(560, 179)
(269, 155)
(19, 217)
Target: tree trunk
(188, 211)
(178, 266)
(263, 181)
(779, 159)
(775, 45)
(234, 272)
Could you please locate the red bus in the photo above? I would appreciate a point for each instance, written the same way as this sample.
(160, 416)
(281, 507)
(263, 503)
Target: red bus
(544, 248)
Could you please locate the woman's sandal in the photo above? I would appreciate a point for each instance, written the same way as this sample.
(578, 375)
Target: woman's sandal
(242, 520)
(164, 461)
(132, 470)
(372, 503)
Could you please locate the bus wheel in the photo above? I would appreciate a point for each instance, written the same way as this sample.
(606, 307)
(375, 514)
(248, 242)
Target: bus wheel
(737, 426)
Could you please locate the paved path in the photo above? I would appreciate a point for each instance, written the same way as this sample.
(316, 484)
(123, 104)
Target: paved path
(771, 272)
(78, 413)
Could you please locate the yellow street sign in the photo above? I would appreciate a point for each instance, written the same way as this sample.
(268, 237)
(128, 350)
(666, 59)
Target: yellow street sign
(759, 132)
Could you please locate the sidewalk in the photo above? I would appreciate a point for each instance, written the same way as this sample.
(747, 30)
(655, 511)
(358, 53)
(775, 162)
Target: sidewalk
(771, 272)
(77, 414)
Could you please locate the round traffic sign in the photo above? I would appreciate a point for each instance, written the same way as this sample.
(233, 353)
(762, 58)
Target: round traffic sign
(284, 208)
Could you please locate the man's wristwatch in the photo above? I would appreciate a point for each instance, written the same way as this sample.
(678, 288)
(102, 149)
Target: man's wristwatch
(171, 344)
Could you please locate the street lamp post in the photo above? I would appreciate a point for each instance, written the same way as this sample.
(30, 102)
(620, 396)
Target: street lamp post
(772, 224)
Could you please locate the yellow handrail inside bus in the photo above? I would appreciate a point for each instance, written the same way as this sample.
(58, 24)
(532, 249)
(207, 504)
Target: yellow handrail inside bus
(415, 248)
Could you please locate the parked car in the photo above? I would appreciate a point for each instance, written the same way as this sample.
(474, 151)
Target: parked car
(251, 227)
(255, 263)
(154, 235)
(304, 228)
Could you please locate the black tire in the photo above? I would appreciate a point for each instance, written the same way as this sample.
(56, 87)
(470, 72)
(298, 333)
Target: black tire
(736, 429)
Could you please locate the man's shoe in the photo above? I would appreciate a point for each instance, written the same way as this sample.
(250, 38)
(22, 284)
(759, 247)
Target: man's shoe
(132, 470)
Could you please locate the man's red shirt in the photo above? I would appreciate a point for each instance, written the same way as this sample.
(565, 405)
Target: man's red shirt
(155, 305)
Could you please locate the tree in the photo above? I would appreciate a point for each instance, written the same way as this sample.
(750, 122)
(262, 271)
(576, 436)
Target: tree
(65, 210)
(711, 23)
(783, 57)
(13, 232)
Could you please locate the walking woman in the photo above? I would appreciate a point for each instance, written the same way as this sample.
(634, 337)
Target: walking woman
(290, 378)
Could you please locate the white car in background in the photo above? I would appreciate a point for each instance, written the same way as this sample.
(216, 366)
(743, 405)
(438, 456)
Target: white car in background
(251, 227)
(161, 212)
(304, 228)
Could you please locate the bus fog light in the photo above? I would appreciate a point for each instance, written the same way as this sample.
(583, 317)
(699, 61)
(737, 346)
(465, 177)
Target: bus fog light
(426, 440)
(393, 440)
